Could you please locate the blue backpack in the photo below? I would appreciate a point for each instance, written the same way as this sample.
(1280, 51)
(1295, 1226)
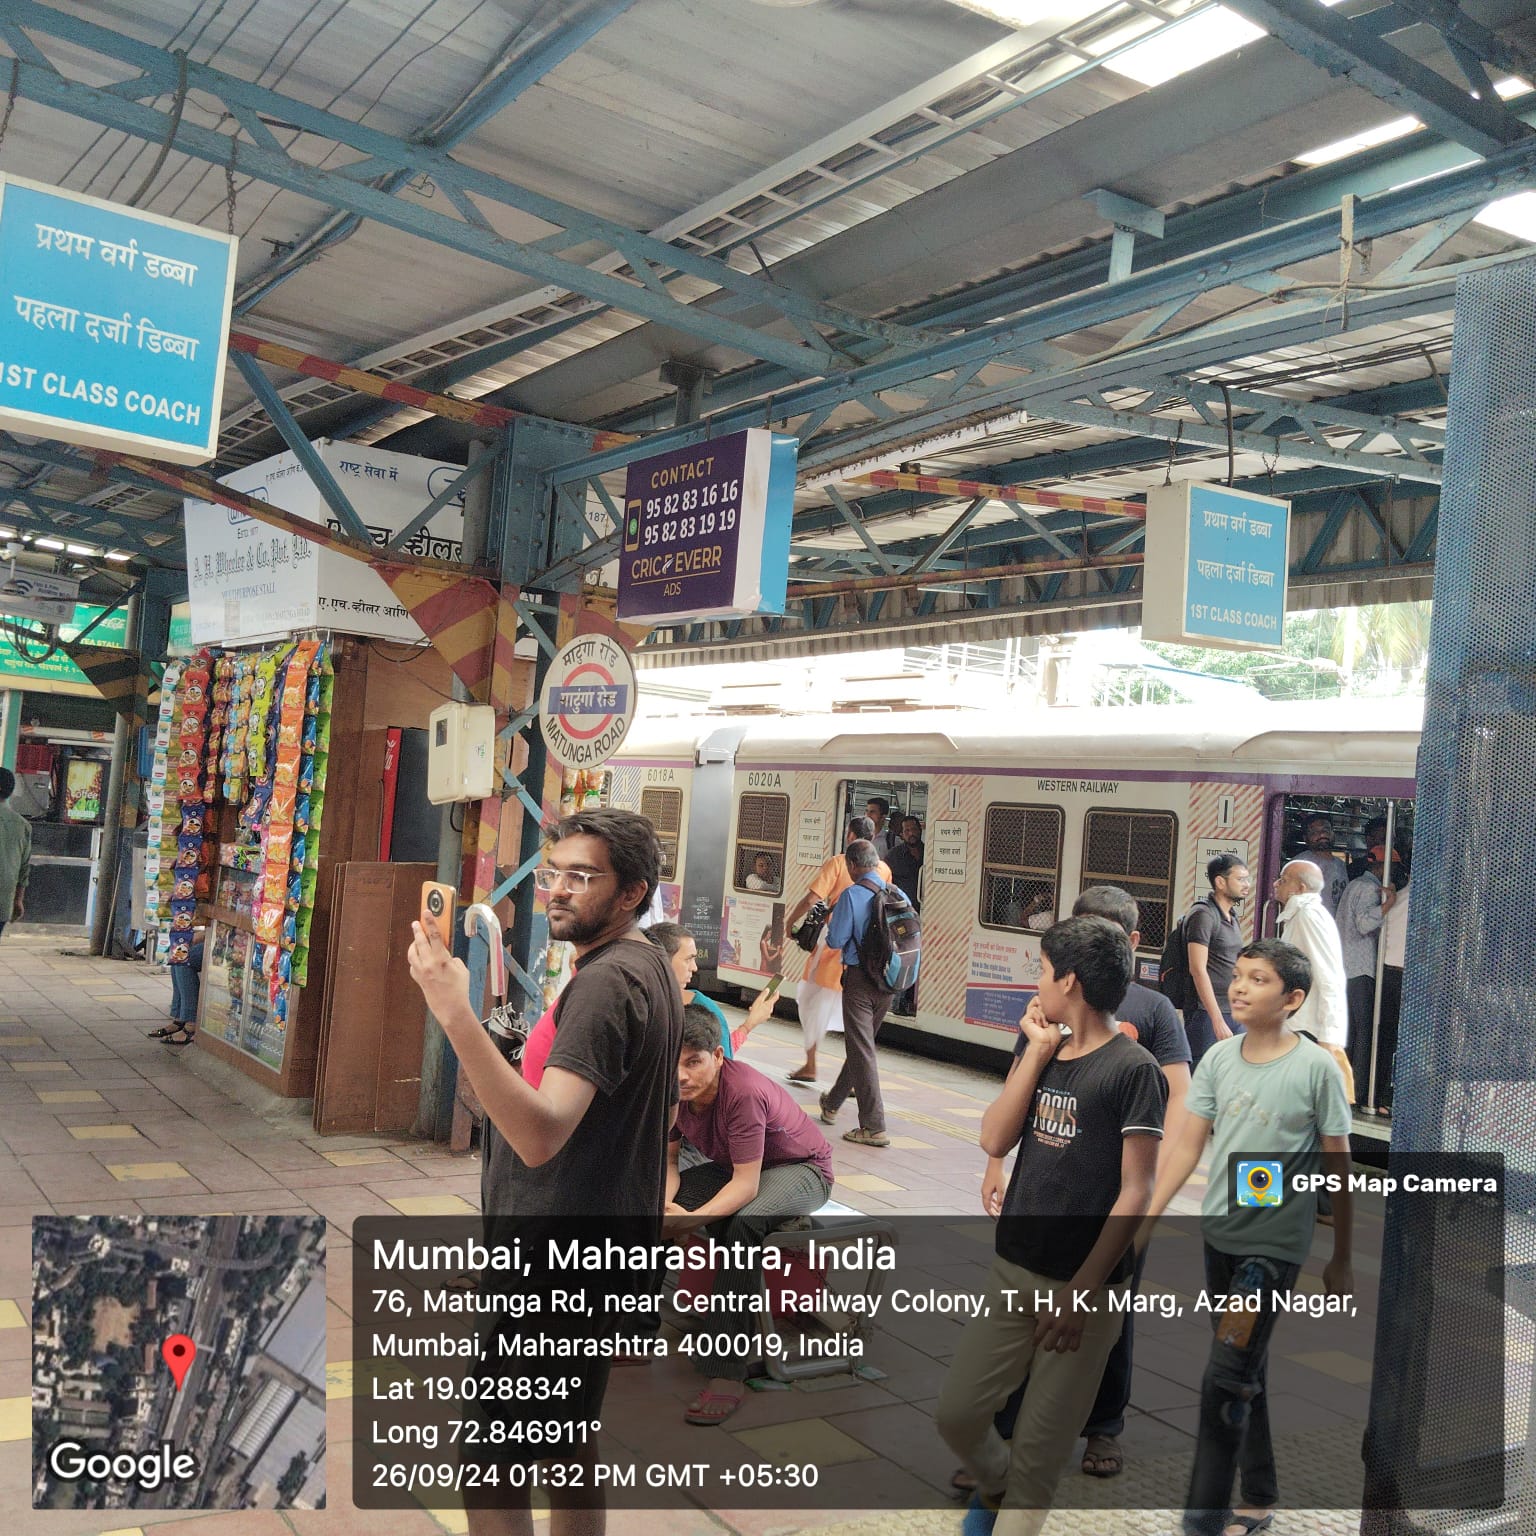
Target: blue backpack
(891, 948)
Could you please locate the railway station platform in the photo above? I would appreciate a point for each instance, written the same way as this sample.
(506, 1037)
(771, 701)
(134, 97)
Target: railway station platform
(97, 1119)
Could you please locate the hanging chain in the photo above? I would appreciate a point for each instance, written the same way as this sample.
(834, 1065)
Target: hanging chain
(172, 124)
(229, 184)
(10, 101)
(1173, 449)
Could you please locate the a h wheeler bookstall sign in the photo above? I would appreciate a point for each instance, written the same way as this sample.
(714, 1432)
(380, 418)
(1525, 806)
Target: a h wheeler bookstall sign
(113, 324)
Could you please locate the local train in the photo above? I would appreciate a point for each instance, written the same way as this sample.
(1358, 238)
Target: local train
(1019, 814)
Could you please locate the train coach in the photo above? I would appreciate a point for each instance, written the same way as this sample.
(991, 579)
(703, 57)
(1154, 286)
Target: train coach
(1018, 816)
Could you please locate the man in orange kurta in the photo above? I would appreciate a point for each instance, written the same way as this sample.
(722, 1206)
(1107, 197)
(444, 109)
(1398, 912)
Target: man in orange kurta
(819, 996)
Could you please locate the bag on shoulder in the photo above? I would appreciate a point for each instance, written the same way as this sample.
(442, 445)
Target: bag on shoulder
(891, 948)
(809, 932)
(1173, 978)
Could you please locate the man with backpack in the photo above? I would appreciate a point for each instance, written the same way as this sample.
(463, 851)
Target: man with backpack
(1201, 953)
(875, 932)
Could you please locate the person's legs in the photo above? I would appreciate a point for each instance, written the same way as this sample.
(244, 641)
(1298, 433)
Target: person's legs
(817, 1006)
(993, 1355)
(1057, 1397)
(1360, 991)
(1106, 1419)
(1391, 1008)
(793, 1189)
(1197, 1025)
(864, 1010)
(1234, 1427)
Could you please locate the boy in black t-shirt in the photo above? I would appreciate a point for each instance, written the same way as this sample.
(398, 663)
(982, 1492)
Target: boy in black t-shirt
(1086, 1111)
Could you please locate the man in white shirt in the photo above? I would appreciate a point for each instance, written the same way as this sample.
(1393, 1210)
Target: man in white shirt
(1304, 922)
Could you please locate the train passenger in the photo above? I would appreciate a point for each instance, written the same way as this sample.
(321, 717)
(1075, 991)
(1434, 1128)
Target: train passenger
(682, 952)
(1153, 1023)
(591, 1139)
(1394, 943)
(762, 878)
(865, 1004)
(878, 810)
(1264, 1095)
(1085, 1108)
(1319, 852)
(1361, 913)
(906, 863)
(1213, 937)
(819, 996)
(764, 1162)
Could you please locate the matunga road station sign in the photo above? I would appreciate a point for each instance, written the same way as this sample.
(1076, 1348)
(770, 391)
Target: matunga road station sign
(588, 702)
(113, 324)
(706, 529)
(1216, 568)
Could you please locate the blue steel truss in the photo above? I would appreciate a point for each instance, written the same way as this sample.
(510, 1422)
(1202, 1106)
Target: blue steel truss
(257, 152)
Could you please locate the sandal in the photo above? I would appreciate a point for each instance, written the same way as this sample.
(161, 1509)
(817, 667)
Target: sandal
(863, 1138)
(1251, 1524)
(1102, 1456)
(711, 1408)
(163, 1033)
(187, 1036)
(962, 1484)
(797, 1077)
(828, 1116)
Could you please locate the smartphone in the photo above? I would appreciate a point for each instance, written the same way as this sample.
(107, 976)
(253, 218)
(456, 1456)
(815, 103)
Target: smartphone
(774, 984)
(437, 904)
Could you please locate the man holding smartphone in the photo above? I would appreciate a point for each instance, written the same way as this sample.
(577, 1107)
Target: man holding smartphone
(590, 1140)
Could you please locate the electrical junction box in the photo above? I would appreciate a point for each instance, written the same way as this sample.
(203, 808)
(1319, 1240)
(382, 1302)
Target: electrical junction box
(461, 753)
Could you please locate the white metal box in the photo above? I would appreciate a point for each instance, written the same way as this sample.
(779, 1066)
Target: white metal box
(461, 753)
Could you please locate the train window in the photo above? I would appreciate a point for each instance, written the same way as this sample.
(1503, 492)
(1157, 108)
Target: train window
(663, 808)
(1134, 850)
(762, 830)
(1021, 867)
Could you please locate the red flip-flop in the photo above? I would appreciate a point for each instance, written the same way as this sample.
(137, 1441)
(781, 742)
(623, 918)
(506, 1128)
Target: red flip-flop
(711, 1408)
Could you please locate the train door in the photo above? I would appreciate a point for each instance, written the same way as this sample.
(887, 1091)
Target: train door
(1348, 836)
(897, 801)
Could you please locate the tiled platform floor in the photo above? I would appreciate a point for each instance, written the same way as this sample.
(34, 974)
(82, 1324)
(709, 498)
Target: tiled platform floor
(95, 1118)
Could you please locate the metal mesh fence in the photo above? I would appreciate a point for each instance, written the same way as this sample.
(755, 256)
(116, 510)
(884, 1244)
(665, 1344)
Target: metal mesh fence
(1021, 866)
(1466, 1056)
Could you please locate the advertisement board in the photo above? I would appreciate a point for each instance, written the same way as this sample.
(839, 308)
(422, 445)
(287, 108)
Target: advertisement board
(706, 529)
(248, 581)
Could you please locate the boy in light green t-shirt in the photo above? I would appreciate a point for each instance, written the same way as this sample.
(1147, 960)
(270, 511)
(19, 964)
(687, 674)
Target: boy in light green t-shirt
(1270, 1096)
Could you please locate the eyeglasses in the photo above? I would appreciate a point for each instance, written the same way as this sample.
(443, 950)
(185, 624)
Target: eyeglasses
(546, 877)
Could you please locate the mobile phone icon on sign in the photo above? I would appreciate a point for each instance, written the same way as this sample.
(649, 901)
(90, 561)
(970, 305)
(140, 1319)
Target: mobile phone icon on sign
(632, 526)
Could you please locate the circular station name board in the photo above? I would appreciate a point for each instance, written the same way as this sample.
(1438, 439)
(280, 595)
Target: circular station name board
(588, 702)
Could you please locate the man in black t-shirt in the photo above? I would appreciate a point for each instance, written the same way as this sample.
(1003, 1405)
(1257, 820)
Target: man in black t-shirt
(1085, 1109)
(1148, 1018)
(1213, 936)
(591, 1139)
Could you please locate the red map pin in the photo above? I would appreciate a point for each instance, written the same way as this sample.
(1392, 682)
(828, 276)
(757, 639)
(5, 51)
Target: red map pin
(178, 1352)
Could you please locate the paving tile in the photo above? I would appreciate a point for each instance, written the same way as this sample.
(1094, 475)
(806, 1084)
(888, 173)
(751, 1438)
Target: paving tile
(103, 1133)
(15, 1418)
(11, 1315)
(355, 1157)
(865, 1183)
(41, 1066)
(1336, 1363)
(805, 1440)
(431, 1205)
(68, 1095)
(143, 1172)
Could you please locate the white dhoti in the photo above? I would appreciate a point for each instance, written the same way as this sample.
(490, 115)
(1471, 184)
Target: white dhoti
(821, 1011)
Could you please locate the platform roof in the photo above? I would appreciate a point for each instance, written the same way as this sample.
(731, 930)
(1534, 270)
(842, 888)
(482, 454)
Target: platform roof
(921, 237)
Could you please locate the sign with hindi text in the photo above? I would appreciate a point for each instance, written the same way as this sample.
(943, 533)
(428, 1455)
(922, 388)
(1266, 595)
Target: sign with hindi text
(1216, 567)
(706, 529)
(588, 702)
(113, 324)
(37, 666)
(249, 581)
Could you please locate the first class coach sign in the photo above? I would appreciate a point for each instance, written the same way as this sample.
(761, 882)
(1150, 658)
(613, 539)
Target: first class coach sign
(113, 324)
(706, 529)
